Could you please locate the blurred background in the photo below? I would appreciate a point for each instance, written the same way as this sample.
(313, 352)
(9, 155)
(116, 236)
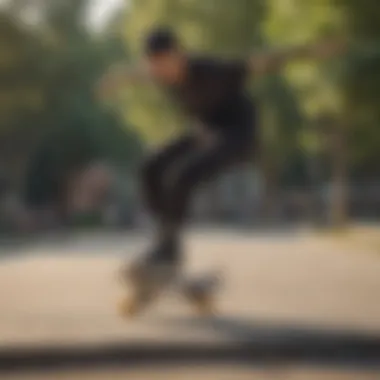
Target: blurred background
(68, 161)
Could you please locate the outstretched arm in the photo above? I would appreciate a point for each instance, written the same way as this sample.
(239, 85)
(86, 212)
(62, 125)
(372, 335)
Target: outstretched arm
(119, 76)
(267, 62)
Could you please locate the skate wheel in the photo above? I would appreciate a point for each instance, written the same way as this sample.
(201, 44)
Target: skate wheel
(206, 306)
(128, 307)
(203, 303)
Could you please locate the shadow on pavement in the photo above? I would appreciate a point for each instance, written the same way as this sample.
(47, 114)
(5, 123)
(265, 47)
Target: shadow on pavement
(293, 342)
(247, 343)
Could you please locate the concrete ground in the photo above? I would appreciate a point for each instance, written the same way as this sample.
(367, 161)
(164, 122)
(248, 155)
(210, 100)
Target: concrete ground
(276, 286)
(226, 373)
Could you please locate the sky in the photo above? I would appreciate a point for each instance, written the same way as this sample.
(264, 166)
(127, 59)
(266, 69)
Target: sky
(102, 10)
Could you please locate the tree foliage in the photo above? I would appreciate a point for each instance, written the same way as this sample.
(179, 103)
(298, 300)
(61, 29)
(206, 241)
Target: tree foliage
(362, 91)
(49, 70)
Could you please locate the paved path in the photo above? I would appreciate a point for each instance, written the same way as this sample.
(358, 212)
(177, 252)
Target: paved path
(226, 373)
(65, 294)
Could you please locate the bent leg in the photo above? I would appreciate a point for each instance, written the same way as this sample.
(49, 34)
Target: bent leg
(201, 166)
(154, 171)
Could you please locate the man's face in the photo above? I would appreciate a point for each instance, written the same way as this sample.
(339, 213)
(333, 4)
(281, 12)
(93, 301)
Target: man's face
(166, 67)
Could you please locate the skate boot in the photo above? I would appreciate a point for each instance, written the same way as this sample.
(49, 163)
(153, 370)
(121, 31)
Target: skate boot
(148, 277)
(201, 293)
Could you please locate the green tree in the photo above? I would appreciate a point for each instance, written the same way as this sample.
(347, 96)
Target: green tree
(22, 96)
(49, 70)
(361, 89)
(317, 86)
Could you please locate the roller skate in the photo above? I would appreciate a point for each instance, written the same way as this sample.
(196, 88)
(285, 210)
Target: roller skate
(201, 293)
(147, 278)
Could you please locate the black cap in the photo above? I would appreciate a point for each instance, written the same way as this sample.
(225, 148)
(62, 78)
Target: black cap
(160, 40)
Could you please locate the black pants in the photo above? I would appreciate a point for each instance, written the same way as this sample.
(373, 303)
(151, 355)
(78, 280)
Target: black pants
(171, 175)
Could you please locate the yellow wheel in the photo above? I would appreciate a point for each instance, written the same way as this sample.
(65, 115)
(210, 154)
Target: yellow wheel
(204, 304)
(129, 307)
(146, 285)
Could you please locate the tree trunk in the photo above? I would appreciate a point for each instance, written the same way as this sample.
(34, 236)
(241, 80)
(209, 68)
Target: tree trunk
(316, 209)
(339, 196)
(270, 196)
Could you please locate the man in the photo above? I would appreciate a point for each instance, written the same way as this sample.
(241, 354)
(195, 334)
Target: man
(213, 93)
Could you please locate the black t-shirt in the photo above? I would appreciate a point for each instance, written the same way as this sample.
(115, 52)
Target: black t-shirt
(214, 92)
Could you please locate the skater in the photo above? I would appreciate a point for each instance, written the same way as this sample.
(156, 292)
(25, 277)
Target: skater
(223, 133)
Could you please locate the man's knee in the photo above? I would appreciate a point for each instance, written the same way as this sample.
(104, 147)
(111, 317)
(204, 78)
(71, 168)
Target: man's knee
(186, 178)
